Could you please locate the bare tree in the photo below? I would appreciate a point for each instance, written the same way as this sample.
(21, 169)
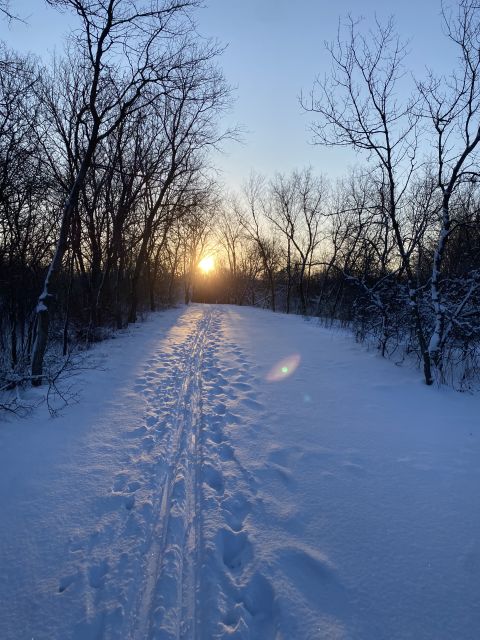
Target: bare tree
(253, 223)
(296, 211)
(25, 195)
(187, 116)
(452, 104)
(7, 12)
(195, 231)
(147, 42)
(231, 238)
(358, 107)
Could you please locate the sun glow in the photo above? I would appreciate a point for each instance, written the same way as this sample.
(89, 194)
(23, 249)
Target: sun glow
(207, 264)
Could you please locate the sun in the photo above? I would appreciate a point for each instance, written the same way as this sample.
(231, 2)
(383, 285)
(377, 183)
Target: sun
(206, 264)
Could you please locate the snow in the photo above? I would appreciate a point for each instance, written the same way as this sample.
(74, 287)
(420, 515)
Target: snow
(233, 473)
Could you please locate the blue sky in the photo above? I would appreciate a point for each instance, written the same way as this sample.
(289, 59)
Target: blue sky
(275, 50)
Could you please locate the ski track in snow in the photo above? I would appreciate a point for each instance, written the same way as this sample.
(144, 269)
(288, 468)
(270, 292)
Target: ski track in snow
(194, 500)
(185, 495)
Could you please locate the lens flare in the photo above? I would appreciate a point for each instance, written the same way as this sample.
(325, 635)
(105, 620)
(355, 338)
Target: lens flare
(284, 368)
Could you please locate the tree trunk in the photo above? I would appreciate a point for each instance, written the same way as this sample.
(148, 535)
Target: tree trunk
(437, 338)
(289, 275)
(272, 290)
(13, 338)
(46, 297)
(301, 290)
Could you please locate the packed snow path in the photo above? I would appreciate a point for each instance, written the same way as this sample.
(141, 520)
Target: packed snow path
(231, 473)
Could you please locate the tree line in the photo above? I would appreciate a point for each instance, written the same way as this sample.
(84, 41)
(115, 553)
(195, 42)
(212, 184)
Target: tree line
(104, 174)
(107, 200)
(393, 249)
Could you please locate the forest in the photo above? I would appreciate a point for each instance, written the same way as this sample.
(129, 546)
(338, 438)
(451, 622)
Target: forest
(109, 198)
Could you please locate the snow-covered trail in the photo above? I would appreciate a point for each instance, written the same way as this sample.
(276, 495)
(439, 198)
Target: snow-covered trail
(136, 515)
(240, 474)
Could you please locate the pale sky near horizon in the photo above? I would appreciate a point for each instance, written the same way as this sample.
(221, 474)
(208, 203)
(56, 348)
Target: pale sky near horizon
(275, 50)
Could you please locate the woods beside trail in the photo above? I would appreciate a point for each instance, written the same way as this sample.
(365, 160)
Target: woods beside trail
(239, 359)
(104, 156)
(109, 197)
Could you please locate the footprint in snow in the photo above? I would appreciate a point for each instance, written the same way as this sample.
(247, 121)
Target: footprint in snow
(284, 455)
(151, 420)
(217, 437)
(225, 452)
(315, 577)
(278, 471)
(253, 616)
(220, 408)
(217, 385)
(97, 573)
(129, 502)
(66, 581)
(252, 404)
(213, 478)
(236, 508)
(236, 549)
(121, 483)
(234, 622)
(242, 386)
(148, 443)
(259, 596)
(232, 418)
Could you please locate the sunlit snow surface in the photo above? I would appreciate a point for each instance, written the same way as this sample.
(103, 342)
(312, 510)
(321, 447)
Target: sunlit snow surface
(233, 473)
